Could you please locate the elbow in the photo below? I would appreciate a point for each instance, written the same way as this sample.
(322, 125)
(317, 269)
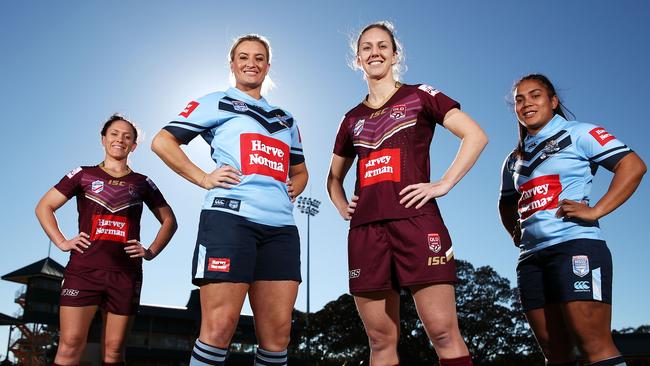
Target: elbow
(156, 144)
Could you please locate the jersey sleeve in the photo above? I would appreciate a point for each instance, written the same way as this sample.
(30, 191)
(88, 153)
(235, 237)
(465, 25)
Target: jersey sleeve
(435, 103)
(600, 146)
(199, 115)
(508, 193)
(343, 145)
(152, 197)
(70, 184)
(296, 155)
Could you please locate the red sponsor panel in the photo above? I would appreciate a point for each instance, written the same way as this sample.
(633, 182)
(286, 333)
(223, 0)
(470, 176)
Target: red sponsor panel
(379, 166)
(601, 135)
(539, 194)
(110, 227)
(191, 106)
(219, 264)
(264, 155)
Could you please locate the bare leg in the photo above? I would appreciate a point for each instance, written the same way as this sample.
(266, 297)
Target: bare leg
(379, 312)
(74, 324)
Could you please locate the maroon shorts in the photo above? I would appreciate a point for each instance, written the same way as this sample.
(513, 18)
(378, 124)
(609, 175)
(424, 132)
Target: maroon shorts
(392, 254)
(114, 291)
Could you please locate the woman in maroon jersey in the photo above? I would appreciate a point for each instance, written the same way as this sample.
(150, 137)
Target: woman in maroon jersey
(105, 267)
(397, 238)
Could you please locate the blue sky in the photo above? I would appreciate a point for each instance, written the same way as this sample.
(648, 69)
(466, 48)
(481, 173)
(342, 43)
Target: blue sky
(66, 66)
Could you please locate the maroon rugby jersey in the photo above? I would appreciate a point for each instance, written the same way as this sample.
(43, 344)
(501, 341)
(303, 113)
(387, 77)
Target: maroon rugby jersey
(392, 144)
(109, 211)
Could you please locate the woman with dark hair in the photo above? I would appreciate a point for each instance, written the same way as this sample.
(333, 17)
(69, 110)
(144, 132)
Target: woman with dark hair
(105, 267)
(564, 272)
(247, 241)
(397, 237)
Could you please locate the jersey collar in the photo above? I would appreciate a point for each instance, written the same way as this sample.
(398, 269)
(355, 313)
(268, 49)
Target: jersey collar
(238, 94)
(552, 127)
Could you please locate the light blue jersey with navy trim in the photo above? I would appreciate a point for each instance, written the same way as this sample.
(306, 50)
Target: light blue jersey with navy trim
(559, 163)
(258, 139)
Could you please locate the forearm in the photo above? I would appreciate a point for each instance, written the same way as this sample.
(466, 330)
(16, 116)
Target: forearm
(170, 152)
(165, 233)
(299, 181)
(48, 222)
(337, 194)
(627, 177)
(470, 148)
(509, 216)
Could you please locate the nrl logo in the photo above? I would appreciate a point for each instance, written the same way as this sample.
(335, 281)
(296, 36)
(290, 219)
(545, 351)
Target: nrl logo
(358, 127)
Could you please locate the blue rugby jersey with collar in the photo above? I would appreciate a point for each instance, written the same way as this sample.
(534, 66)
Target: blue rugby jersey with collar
(259, 139)
(559, 163)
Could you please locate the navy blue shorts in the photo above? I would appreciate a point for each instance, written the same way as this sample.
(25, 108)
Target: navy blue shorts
(230, 248)
(575, 270)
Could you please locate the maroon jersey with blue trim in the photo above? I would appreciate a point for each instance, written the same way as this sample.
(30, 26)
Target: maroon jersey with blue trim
(392, 145)
(109, 209)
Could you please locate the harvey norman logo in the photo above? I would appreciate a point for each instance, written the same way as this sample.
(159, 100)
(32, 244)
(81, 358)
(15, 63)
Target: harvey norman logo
(539, 194)
(110, 227)
(264, 155)
(380, 166)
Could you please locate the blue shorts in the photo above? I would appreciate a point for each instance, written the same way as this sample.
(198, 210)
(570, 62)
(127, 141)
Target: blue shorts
(230, 248)
(576, 270)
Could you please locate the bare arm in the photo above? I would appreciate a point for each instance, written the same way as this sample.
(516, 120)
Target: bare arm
(167, 147)
(339, 168)
(168, 227)
(628, 173)
(49, 203)
(473, 140)
(510, 220)
(298, 177)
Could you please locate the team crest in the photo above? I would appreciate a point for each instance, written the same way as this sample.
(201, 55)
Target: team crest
(133, 191)
(398, 111)
(551, 148)
(358, 127)
(239, 106)
(434, 242)
(283, 120)
(97, 186)
(580, 265)
(234, 205)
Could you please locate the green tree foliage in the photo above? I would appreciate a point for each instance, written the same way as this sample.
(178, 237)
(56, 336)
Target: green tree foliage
(489, 317)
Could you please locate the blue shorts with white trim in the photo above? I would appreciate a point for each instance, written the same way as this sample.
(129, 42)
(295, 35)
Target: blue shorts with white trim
(576, 270)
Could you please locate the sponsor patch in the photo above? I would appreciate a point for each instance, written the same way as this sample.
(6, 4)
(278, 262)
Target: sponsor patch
(380, 166)
(355, 273)
(69, 292)
(227, 203)
(358, 127)
(219, 264)
(110, 227)
(239, 106)
(97, 186)
(429, 89)
(73, 172)
(434, 242)
(580, 264)
(581, 286)
(436, 261)
(191, 106)
(539, 194)
(601, 135)
(264, 155)
(398, 111)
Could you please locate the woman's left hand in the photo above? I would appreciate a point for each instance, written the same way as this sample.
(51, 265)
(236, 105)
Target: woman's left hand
(136, 250)
(421, 193)
(290, 190)
(577, 210)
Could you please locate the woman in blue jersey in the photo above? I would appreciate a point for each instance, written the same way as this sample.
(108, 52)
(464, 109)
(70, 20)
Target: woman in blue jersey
(564, 272)
(247, 241)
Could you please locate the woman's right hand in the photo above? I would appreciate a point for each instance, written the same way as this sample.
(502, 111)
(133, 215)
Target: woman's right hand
(224, 177)
(78, 243)
(348, 210)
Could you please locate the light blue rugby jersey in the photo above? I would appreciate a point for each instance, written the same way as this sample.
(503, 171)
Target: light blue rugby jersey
(259, 139)
(559, 163)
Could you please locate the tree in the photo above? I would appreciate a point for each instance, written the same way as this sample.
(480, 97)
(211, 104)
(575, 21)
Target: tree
(489, 317)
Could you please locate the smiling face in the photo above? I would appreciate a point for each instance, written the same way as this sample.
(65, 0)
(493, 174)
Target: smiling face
(249, 65)
(376, 54)
(119, 140)
(534, 105)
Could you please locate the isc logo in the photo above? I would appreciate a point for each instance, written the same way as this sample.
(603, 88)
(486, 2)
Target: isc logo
(69, 292)
(434, 261)
(354, 273)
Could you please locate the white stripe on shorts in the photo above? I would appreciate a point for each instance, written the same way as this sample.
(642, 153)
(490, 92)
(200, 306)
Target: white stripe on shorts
(200, 263)
(596, 284)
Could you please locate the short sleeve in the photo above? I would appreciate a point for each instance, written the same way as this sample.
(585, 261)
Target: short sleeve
(508, 193)
(296, 155)
(600, 146)
(199, 115)
(343, 145)
(435, 104)
(153, 198)
(70, 184)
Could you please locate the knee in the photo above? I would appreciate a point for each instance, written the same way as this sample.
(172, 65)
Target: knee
(275, 338)
(593, 343)
(381, 340)
(217, 331)
(71, 345)
(113, 350)
(442, 334)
